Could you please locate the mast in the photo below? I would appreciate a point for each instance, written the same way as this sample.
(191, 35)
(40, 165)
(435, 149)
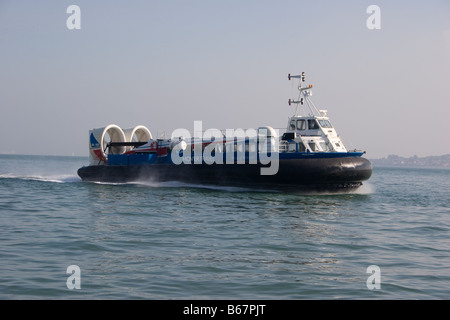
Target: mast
(303, 96)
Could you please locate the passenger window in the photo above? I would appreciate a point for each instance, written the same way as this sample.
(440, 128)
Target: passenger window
(301, 125)
(312, 146)
(291, 147)
(301, 147)
(288, 136)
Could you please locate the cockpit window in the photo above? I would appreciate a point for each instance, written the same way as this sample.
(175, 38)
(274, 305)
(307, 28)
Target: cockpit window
(301, 125)
(292, 125)
(325, 124)
(312, 124)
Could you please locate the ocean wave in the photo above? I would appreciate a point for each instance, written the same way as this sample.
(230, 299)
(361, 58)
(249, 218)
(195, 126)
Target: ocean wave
(178, 184)
(366, 188)
(62, 178)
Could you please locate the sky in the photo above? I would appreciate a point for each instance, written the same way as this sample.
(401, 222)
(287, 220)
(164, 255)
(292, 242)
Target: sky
(165, 64)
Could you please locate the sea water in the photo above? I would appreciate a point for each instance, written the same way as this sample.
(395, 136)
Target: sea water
(178, 241)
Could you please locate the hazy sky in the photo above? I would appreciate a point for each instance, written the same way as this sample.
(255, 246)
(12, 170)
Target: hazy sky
(165, 64)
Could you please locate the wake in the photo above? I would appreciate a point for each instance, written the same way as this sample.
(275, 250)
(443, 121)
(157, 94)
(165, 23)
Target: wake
(60, 178)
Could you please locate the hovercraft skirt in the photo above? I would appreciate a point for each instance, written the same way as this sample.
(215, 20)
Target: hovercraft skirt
(326, 173)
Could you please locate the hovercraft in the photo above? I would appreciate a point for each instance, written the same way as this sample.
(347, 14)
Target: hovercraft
(308, 156)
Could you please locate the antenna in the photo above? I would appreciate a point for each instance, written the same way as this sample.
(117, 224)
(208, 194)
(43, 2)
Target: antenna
(302, 77)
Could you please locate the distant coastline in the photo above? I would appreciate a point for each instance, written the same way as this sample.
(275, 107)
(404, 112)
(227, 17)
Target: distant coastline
(392, 160)
(414, 161)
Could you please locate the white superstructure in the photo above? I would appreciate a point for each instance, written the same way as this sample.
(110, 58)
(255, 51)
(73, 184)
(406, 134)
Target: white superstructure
(312, 131)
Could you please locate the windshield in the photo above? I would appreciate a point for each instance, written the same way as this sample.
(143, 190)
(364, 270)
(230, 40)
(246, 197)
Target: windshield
(312, 124)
